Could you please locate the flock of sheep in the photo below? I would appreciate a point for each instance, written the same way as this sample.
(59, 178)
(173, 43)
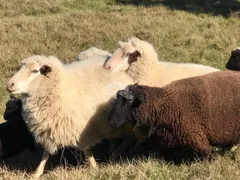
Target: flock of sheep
(129, 95)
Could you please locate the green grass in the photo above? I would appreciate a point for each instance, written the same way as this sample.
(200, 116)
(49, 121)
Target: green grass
(65, 27)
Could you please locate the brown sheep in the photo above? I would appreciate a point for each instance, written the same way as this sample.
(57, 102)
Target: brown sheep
(195, 113)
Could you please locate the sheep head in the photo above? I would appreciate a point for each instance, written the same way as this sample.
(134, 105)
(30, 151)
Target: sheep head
(234, 60)
(123, 57)
(127, 101)
(31, 68)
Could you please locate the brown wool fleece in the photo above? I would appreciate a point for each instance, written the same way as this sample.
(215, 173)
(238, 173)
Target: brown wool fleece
(197, 112)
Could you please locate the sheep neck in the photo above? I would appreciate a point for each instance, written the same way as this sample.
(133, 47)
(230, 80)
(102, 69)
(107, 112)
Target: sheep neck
(155, 111)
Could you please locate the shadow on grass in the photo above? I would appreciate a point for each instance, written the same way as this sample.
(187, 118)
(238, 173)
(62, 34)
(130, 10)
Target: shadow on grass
(28, 161)
(214, 7)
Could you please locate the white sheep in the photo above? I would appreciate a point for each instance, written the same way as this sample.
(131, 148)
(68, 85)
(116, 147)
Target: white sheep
(140, 60)
(67, 105)
(92, 52)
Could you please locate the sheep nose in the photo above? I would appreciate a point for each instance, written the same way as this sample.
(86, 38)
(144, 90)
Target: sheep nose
(108, 66)
(10, 86)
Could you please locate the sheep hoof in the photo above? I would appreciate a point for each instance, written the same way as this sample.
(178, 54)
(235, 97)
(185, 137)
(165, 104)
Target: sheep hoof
(94, 165)
(36, 175)
(233, 149)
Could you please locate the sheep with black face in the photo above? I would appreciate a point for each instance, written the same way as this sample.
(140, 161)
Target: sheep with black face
(194, 113)
(126, 102)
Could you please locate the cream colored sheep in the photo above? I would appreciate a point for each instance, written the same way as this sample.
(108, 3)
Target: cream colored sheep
(92, 52)
(66, 105)
(140, 60)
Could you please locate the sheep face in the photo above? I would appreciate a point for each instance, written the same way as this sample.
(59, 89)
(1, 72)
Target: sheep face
(123, 57)
(126, 102)
(234, 61)
(30, 70)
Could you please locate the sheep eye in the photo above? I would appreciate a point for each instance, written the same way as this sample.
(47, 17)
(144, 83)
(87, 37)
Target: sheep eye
(35, 71)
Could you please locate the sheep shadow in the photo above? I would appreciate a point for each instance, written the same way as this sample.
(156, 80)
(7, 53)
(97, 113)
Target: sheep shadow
(68, 157)
(214, 7)
(28, 161)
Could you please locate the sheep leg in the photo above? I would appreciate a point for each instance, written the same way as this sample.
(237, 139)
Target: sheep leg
(136, 150)
(199, 142)
(89, 156)
(41, 166)
(114, 142)
(127, 142)
(141, 137)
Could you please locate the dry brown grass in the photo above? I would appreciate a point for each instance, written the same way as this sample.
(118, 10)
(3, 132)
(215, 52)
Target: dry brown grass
(227, 167)
(65, 27)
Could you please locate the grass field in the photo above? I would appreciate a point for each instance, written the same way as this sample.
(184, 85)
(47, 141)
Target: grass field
(182, 31)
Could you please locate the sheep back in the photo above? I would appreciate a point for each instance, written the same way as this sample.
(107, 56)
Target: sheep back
(92, 52)
(148, 70)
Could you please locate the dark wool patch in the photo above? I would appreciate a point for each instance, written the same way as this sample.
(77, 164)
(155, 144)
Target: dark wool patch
(234, 61)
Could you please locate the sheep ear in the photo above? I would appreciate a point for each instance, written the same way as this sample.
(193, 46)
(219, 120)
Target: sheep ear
(134, 57)
(141, 98)
(236, 52)
(45, 69)
(120, 43)
(138, 101)
(121, 93)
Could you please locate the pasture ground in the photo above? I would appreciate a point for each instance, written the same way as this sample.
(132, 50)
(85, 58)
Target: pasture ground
(181, 32)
